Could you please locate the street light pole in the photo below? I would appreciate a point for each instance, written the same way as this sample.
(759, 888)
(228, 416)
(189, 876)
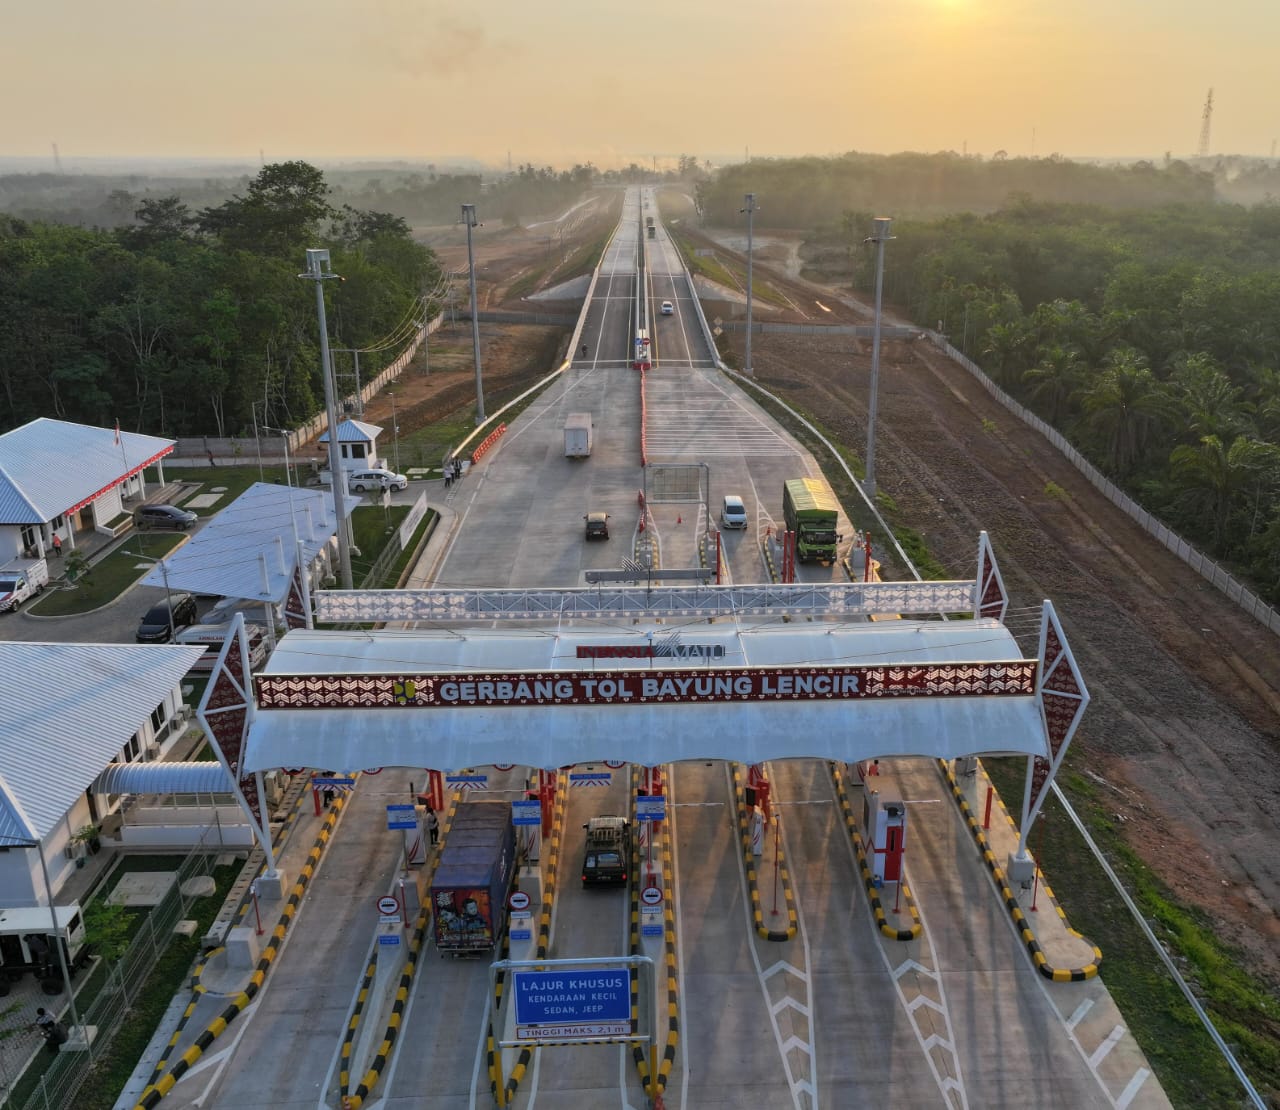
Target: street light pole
(750, 211)
(395, 427)
(879, 237)
(469, 218)
(319, 271)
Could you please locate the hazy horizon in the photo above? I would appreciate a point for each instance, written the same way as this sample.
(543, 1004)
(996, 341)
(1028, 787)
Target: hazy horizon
(573, 81)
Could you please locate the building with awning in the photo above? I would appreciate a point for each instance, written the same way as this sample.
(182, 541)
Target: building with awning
(67, 712)
(60, 478)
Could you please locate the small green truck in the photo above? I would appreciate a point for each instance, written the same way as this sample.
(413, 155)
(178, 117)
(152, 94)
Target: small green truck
(812, 513)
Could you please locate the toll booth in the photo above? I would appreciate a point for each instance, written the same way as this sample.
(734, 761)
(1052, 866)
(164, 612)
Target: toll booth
(884, 831)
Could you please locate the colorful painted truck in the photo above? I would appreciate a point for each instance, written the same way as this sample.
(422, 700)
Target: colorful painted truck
(473, 879)
(813, 514)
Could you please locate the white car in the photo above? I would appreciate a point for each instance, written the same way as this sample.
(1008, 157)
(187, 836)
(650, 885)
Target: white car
(733, 513)
(361, 480)
(667, 308)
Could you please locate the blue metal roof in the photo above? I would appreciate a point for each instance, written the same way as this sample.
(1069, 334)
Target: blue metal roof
(50, 467)
(247, 550)
(65, 711)
(354, 431)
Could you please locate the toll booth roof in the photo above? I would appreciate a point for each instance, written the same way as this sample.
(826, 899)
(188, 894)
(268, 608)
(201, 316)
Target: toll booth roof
(551, 697)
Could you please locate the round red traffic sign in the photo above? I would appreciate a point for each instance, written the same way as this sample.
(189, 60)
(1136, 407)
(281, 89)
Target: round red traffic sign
(651, 896)
(519, 900)
(388, 905)
(373, 771)
(615, 763)
(503, 766)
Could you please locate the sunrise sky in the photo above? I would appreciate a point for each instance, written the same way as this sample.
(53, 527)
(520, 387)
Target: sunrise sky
(563, 81)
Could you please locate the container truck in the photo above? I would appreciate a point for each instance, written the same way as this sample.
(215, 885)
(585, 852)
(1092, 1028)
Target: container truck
(473, 879)
(812, 513)
(21, 579)
(577, 435)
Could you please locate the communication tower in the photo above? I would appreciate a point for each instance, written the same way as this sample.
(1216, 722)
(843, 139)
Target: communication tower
(1205, 120)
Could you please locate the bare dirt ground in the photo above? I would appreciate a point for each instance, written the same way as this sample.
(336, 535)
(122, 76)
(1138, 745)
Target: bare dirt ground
(1183, 732)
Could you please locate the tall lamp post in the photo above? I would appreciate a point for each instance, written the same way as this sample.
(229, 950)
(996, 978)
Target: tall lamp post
(750, 211)
(469, 218)
(880, 236)
(395, 427)
(319, 270)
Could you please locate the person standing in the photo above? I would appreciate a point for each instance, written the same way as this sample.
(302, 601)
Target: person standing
(433, 825)
(57, 546)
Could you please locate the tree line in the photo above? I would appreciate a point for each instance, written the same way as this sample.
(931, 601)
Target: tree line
(190, 322)
(1149, 337)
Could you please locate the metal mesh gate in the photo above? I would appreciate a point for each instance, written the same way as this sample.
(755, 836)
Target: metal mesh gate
(677, 483)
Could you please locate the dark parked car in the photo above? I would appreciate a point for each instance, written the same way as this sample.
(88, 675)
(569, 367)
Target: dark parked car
(163, 516)
(597, 526)
(155, 628)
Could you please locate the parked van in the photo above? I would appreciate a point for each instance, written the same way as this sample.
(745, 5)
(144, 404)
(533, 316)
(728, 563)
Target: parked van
(212, 636)
(28, 944)
(733, 513)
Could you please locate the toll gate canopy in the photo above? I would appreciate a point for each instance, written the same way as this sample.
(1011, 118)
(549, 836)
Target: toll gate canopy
(551, 697)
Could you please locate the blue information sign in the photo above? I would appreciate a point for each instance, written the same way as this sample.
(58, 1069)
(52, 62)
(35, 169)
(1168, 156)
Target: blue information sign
(522, 934)
(651, 807)
(573, 997)
(597, 778)
(466, 778)
(389, 938)
(333, 780)
(402, 817)
(526, 812)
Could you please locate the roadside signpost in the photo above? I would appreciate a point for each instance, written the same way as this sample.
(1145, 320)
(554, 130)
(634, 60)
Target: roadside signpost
(402, 817)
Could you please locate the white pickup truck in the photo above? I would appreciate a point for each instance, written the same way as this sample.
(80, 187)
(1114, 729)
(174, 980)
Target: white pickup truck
(21, 579)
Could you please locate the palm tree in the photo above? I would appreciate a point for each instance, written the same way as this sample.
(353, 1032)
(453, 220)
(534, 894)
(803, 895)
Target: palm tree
(1006, 346)
(1212, 476)
(1206, 398)
(1054, 380)
(1127, 404)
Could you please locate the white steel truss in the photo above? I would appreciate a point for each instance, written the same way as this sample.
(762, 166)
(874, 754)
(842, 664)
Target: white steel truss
(833, 601)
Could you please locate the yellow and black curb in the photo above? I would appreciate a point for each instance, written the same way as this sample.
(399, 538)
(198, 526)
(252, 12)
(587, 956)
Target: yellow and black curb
(768, 560)
(512, 1084)
(659, 1082)
(749, 859)
(152, 1095)
(868, 879)
(353, 1025)
(197, 987)
(355, 1099)
(1054, 974)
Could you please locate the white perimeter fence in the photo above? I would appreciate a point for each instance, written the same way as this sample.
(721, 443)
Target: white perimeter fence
(1263, 613)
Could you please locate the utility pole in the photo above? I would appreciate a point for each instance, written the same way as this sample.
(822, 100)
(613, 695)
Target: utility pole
(879, 237)
(469, 218)
(319, 270)
(750, 211)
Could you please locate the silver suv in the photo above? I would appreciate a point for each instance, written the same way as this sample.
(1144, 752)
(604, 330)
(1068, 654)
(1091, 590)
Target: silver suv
(361, 480)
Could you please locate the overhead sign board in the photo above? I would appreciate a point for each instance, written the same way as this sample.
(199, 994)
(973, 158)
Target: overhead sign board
(1015, 678)
(569, 1005)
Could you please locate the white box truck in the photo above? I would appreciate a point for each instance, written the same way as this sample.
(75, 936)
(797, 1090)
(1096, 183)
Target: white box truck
(21, 579)
(577, 435)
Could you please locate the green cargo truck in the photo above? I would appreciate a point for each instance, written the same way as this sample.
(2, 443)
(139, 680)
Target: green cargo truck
(812, 513)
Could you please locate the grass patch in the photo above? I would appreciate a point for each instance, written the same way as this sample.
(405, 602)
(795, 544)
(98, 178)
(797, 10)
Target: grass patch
(108, 578)
(113, 1069)
(727, 272)
(1188, 1065)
